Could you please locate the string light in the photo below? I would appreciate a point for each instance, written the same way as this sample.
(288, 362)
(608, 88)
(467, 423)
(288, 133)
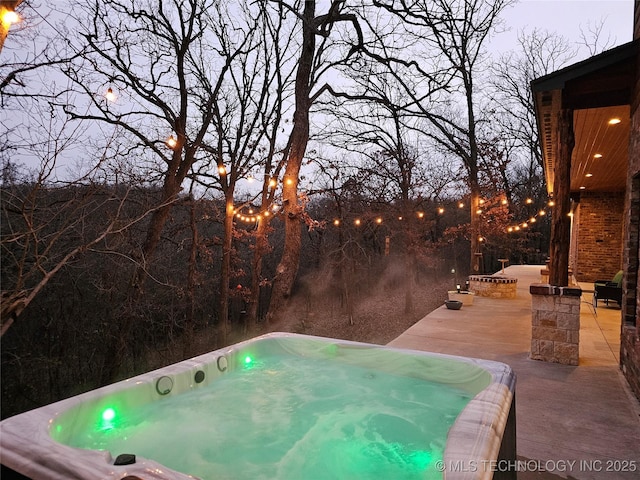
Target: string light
(10, 17)
(171, 142)
(251, 217)
(110, 95)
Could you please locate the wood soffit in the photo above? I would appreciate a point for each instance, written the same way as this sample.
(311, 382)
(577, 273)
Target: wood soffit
(597, 90)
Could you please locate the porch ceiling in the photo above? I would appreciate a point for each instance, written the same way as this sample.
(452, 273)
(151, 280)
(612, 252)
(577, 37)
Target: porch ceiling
(595, 136)
(597, 90)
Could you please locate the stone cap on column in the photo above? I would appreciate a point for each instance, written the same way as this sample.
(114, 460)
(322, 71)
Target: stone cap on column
(546, 289)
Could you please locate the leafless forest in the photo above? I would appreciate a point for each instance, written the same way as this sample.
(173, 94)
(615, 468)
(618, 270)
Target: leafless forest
(180, 175)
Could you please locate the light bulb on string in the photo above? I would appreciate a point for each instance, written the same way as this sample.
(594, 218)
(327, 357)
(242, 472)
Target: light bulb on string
(10, 17)
(110, 95)
(171, 142)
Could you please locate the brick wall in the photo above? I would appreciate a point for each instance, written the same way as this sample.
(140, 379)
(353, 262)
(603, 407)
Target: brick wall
(630, 335)
(598, 253)
(630, 358)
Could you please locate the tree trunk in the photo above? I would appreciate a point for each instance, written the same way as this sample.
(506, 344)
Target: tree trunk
(261, 248)
(225, 270)
(191, 284)
(287, 269)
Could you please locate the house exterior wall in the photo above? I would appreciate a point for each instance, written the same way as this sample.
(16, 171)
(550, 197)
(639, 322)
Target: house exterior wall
(630, 334)
(597, 251)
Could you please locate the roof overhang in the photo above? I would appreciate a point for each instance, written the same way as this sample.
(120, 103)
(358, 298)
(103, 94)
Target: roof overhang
(597, 90)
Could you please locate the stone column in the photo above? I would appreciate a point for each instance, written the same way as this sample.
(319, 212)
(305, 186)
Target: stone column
(555, 323)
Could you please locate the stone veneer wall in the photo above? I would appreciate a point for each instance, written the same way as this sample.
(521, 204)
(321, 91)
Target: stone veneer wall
(555, 323)
(598, 246)
(493, 286)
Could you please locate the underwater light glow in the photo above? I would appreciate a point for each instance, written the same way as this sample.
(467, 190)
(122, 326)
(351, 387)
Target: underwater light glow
(108, 414)
(248, 360)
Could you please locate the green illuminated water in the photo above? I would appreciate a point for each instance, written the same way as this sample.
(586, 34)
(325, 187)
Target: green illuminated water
(286, 417)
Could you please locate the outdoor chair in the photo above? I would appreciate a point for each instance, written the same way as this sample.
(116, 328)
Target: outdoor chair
(608, 290)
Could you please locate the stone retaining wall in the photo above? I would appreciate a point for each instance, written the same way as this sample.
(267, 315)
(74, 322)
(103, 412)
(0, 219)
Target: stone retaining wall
(493, 286)
(555, 323)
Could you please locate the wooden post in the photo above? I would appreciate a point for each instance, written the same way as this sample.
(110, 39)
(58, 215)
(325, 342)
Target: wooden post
(561, 223)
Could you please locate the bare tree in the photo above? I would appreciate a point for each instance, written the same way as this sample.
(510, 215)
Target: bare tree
(45, 227)
(312, 64)
(458, 32)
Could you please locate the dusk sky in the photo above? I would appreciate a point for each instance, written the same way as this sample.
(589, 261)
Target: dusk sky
(566, 17)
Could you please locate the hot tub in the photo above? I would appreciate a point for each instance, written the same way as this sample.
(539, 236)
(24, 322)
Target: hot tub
(278, 406)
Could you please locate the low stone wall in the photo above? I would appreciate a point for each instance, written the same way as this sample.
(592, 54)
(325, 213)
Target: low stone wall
(555, 323)
(493, 286)
(465, 297)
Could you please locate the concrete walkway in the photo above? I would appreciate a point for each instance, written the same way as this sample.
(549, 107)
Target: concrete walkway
(572, 422)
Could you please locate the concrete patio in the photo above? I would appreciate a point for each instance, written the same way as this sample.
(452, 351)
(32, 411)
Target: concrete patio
(575, 422)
